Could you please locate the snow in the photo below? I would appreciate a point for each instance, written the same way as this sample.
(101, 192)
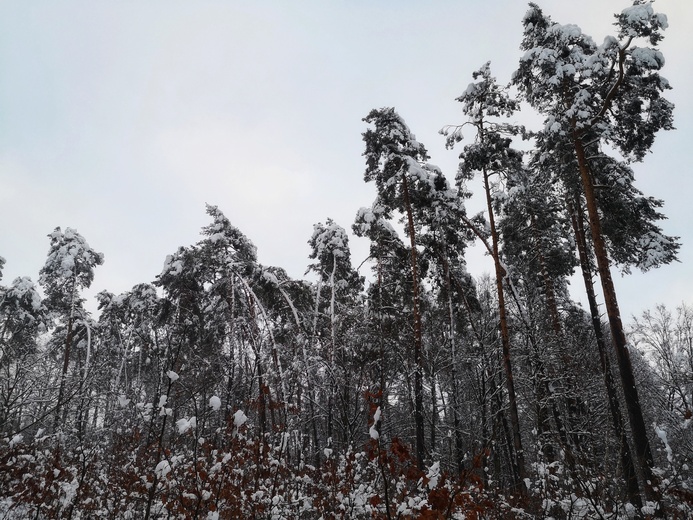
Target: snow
(662, 434)
(372, 220)
(567, 32)
(172, 375)
(123, 401)
(239, 419)
(16, 439)
(162, 406)
(269, 277)
(647, 57)
(640, 18)
(68, 256)
(638, 14)
(162, 469)
(214, 403)
(171, 266)
(184, 425)
(433, 475)
(24, 289)
(373, 431)
(331, 239)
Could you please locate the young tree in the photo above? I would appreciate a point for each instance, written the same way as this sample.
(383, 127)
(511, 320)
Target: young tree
(342, 285)
(667, 339)
(22, 317)
(68, 270)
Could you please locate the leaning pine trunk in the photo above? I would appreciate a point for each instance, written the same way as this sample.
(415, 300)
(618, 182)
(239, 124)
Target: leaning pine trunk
(614, 406)
(637, 422)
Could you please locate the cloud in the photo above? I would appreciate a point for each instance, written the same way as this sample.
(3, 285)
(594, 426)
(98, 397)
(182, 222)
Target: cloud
(214, 158)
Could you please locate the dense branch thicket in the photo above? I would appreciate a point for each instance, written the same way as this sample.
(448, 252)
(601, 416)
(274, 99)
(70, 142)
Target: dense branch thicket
(226, 389)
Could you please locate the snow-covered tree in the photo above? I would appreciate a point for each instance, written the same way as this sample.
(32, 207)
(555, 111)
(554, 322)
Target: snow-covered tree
(396, 162)
(337, 306)
(601, 95)
(492, 156)
(22, 317)
(69, 268)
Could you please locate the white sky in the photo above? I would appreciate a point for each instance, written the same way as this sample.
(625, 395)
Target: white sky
(121, 119)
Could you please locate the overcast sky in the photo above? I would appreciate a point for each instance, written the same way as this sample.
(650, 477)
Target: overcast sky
(122, 119)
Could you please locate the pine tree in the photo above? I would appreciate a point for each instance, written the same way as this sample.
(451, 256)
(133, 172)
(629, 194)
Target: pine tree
(491, 154)
(22, 317)
(337, 299)
(593, 95)
(69, 269)
(444, 242)
(396, 162)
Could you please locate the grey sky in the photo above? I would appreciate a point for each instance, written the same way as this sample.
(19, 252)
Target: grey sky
(121, 119)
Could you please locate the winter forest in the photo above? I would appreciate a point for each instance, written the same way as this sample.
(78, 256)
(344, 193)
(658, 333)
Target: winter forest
(404, 387)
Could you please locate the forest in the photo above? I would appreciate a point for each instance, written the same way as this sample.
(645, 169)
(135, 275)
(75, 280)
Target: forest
(225, 389)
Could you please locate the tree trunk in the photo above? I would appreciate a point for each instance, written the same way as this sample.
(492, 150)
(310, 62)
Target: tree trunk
(418, 361)
(63, 375)
(637, 422)
(459, 455)
(627, 466)
(518, 462)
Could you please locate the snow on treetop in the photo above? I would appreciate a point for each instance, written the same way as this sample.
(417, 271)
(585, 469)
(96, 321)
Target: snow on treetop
(643, 14)
(329, 238)
(69, 256)
(269, 276)
(24, 290)
(172, 266)
(372, 220)
(568, 32)
(223, 233)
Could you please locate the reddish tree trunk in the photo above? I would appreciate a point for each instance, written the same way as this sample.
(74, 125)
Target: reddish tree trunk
(635, 417)
(518, 455)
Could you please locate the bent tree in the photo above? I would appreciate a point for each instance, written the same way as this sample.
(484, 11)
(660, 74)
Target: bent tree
(594, 95)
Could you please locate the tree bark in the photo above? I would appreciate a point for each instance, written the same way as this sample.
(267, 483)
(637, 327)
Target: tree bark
(632, 487)
(418, 361)
(518, 456)
(66, 358)
(635, 416)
